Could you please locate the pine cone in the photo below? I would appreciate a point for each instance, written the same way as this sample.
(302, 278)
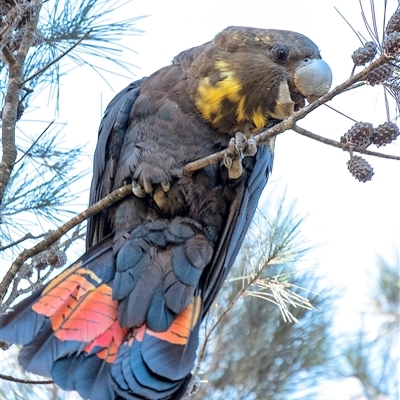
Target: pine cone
(39, 261)
(394, 22)
(359, 135)
(385, 134)
(364, 54)
(391, 45)
(360, 168)
(57, 259)
(380, 74)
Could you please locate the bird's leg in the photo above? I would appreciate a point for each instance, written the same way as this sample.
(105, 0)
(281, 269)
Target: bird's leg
(238, 148)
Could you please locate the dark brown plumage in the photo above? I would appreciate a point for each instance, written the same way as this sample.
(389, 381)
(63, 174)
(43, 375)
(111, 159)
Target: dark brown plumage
(122, 322)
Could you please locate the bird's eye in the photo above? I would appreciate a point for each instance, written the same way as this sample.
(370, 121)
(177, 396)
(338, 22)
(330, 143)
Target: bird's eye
(281, 52)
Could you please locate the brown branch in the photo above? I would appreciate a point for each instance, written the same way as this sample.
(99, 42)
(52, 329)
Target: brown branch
(30, 31)
(107, 201)
(13, 18)
(343, 146)
(10, 110)
(8, 128)
(28, 382)
(13, 294)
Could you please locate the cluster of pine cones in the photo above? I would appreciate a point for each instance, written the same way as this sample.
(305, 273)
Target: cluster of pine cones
(363, 134)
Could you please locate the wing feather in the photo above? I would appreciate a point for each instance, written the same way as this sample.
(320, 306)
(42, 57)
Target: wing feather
(111, 134)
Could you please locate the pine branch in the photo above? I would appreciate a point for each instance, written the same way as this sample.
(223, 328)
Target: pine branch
(343, 146)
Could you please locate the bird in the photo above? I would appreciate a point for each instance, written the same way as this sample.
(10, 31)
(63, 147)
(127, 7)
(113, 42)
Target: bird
(123, 321)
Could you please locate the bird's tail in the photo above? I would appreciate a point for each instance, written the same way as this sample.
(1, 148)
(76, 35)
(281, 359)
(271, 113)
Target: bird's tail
(121, 321)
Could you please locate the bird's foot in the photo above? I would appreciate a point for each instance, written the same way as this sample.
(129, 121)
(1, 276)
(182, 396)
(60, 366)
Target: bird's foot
(146, 188)
(238, 148)
(151, 180)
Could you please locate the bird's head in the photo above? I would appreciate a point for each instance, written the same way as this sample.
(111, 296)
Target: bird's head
(247, 76)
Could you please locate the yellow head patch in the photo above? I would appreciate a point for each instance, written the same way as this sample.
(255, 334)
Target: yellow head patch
(209, 98)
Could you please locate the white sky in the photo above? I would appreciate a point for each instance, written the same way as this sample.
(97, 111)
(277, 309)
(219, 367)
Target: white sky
(355, 221)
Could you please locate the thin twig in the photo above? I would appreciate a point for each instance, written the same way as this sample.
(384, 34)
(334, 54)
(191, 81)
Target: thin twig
(215, 324)
(26, 381)
(343, 146)
(34, 142)
(26, 237)
(347, 22)
(339, 112)
(57, 58)
(356, 85)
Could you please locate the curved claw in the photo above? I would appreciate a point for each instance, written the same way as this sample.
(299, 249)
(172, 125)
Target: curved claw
(147, 186)
(137, 190)
(231, 149)
(240, 142)
(159, 197)
(165, 186)
(227, 160)
(251, 148)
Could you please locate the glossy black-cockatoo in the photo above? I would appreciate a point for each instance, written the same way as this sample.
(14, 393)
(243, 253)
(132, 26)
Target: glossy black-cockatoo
(123, 321)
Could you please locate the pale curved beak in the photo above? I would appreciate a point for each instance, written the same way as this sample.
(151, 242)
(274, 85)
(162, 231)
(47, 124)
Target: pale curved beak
(313, 78)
